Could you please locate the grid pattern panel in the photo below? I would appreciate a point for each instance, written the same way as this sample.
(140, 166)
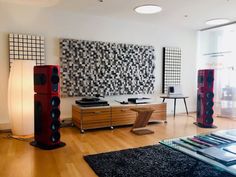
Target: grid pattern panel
(171, 67)
(26, 47)
(94, 67)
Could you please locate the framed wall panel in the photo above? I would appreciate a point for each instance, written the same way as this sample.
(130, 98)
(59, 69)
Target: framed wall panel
(94, 67)
(171, 67)
(26, 47)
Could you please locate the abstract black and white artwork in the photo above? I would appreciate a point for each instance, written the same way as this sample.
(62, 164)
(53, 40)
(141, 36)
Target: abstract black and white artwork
(26, 47)
(171, 67)
(93, 67)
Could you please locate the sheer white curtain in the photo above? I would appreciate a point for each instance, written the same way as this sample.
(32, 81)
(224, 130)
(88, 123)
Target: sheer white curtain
(217, 50)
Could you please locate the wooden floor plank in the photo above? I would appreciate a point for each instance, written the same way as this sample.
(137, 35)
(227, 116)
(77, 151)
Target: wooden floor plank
(19, 159)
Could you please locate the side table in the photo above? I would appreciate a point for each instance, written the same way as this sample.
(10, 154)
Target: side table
(175, 98)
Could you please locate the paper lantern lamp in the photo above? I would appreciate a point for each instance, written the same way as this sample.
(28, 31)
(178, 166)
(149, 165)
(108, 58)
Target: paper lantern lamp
(21, 97)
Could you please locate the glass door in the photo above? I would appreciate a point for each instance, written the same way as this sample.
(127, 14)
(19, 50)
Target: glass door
(217, 50)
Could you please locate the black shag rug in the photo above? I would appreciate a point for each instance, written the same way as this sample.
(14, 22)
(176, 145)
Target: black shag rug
(150, 161)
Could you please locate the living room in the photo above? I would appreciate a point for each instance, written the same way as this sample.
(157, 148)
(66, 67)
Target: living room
(180, 24)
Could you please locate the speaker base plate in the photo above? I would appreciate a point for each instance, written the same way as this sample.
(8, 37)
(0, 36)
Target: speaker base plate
(47, 147)
(203, 126)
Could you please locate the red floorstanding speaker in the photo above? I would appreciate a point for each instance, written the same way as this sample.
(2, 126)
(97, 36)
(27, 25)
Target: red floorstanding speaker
(47, 107)
(205, 97)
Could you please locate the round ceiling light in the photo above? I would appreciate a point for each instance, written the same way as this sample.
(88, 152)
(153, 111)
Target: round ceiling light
(217, 21)
(148, 9)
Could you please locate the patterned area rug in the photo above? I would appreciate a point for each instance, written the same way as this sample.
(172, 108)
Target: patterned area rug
(150, 161)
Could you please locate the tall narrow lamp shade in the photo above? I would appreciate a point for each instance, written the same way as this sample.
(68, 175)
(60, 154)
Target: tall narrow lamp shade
(21, 97)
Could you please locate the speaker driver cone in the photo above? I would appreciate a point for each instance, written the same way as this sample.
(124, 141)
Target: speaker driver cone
(209, 95)
(209, 120)
(55, 137)
(210, 79)
(55, 113)
(55, 70)
(39, 79)
(209, 112)
(55, 101)
(55, 125)
(209, 104)
(55, 79)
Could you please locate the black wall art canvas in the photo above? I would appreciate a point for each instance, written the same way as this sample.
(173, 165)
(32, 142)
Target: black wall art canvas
(171, 67)
(93, 67)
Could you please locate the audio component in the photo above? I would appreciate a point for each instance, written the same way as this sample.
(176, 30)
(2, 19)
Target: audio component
(91, 102)
(47, 107)
(205, 97)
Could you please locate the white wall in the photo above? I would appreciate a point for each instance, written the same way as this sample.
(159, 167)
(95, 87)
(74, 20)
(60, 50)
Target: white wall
(55, 24)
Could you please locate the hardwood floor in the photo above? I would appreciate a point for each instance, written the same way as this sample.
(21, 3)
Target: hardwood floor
(19, 159)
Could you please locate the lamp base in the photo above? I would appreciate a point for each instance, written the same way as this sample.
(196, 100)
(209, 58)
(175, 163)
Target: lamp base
(22, 136)
(47, 147)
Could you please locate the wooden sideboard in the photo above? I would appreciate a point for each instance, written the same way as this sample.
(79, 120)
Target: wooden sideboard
(115, 115)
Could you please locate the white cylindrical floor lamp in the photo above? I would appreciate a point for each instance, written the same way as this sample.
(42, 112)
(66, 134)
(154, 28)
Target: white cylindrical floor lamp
(21, 97)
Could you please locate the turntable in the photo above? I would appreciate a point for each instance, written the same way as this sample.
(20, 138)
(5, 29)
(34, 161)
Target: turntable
(91, 102)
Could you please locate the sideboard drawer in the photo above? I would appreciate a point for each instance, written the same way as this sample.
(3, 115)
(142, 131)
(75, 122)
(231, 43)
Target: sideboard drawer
(96, 118)
(95, 110)
(123, 115)
(89, 118)
(159, 112)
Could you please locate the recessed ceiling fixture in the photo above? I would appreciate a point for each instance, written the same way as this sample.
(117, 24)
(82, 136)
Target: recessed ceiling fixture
(217, 21)
(148, 9)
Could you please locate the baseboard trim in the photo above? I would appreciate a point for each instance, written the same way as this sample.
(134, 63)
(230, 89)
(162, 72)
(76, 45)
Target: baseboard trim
(5, 126)
(5, 131)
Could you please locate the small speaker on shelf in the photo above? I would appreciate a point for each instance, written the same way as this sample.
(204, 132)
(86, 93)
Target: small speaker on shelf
(47, 107)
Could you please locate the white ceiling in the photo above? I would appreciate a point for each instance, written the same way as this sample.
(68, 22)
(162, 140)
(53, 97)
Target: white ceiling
(174, 11)
(190, 14)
